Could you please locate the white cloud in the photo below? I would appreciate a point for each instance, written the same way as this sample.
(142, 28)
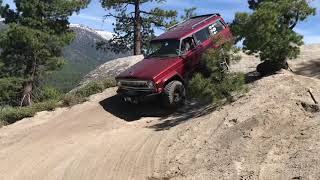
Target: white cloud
(94, 18)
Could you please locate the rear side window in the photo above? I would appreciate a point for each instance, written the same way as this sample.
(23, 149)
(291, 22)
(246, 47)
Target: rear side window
(202, 35)
(216, 27)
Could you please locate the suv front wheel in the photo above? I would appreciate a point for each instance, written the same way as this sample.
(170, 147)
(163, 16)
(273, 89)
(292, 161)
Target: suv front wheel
(174, 95)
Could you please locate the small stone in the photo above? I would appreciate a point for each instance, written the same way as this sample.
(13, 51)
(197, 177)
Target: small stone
(234, 121)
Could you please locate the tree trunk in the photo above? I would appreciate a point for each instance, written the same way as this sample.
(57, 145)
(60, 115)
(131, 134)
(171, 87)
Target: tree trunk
(283, 64)
(26, 94)
(137, 29)
(30, 73)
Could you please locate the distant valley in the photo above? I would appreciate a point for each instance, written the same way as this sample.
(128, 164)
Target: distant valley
(82, 57)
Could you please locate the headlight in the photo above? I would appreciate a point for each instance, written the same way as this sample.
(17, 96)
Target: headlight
(150, 84)
(119, 83)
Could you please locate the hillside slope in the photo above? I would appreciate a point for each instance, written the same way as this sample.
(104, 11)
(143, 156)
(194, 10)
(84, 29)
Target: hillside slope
(272, 132)
(267, 134)
(82, 57)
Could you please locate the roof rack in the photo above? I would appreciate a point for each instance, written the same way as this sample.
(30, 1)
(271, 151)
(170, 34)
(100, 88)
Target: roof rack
(209, 17)
(194, 17)
(205, 15)
(177, 24)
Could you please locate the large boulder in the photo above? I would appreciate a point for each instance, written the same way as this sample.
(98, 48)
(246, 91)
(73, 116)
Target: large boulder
(111, 69)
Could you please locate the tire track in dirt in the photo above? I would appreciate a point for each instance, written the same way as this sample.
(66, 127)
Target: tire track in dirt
(84, 142)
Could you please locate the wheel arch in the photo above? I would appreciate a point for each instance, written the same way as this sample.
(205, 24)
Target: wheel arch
(174, 77)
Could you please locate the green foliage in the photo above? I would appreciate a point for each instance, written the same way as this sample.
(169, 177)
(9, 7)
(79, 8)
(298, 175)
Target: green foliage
(10, 115)
(10, 90)
(188, 13)
(49, 93)
(135, 26)
(51, 99)
(80, 95)
(32, 43)
(217, 83)
(72, 99)
(48, 105)
(91, 88)
(269, 30)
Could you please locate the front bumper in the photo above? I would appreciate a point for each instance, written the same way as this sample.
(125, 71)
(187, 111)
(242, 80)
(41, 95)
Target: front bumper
(137, 94)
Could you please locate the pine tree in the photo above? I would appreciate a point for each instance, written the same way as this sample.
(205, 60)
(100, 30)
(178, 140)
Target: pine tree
(134, 24)
(215, 83)
(32, 44)
(189, 12)
(269, 31)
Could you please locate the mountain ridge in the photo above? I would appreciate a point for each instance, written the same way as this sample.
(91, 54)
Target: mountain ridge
(81, 56)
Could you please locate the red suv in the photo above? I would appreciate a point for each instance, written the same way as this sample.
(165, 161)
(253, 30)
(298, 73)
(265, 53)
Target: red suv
(173, 57)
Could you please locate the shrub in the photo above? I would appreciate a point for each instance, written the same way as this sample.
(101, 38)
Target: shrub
(80, 95)
(217, 83)
(9, 115)
(90, 89)
(49, 105)
(48, 93)
(107, 83)
(10, 91)
(269, 31)
(72, 99)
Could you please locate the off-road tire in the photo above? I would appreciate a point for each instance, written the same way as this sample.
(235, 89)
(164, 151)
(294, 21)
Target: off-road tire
(268, 67)
(174, 95)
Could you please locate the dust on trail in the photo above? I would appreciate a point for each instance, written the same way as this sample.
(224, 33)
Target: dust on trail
(266, 134)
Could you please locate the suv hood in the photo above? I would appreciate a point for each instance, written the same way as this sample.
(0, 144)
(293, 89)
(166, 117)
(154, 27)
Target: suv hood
(149, 68)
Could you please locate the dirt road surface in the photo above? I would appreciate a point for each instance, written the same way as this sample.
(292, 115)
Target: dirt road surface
(272, 132)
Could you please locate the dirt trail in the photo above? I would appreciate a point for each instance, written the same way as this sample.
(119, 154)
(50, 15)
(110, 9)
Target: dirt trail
(270, 133)
(261, 136)
(84, 142)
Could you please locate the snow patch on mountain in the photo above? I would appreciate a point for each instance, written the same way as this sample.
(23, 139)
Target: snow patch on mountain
(103, 34)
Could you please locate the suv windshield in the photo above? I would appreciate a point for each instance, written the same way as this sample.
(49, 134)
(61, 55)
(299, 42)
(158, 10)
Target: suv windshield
(164, 48)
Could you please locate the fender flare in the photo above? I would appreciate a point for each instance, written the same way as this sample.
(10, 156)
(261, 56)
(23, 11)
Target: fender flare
(172, 76)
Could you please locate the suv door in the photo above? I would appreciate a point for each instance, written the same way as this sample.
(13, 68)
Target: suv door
(190, 54)
(203, 43)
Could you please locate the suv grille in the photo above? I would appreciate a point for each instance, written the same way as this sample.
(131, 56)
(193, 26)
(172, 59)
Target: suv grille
(134, 84)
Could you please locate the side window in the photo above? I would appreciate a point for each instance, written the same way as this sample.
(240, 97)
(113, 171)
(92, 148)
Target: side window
(202, 35)
(216, 27)
(187, 44)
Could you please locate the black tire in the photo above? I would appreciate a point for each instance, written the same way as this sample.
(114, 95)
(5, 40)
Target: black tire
(174, 95)
(268, 67)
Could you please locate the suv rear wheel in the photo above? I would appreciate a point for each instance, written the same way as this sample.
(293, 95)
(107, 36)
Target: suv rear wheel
(174, 95)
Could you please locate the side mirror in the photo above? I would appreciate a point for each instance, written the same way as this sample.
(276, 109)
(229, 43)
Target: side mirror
(184, 56)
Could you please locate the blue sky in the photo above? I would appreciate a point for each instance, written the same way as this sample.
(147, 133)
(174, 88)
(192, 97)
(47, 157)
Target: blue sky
(93, 15)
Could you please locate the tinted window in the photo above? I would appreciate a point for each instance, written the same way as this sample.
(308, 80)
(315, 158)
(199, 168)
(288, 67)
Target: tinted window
(202, 35)
(216, 28)
(164, 48)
